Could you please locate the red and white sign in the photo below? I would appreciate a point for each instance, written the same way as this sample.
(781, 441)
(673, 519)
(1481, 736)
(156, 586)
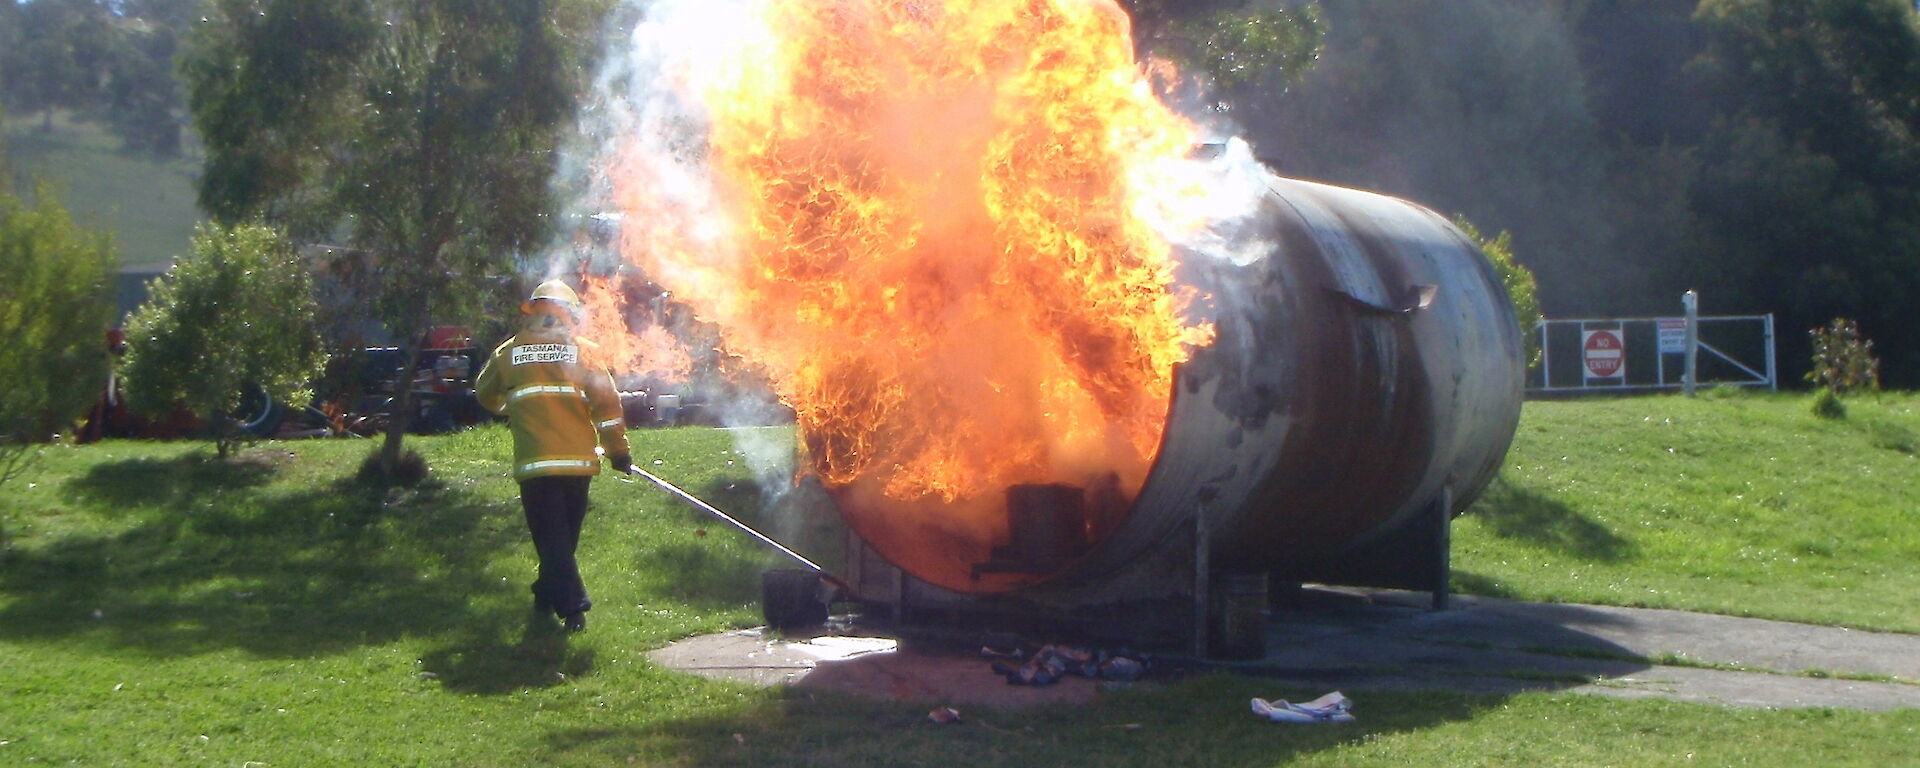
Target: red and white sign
(1673, 335)
(1605, 353)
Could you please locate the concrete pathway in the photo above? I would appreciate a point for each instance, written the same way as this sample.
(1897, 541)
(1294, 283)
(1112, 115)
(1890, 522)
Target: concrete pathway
(1358, 639)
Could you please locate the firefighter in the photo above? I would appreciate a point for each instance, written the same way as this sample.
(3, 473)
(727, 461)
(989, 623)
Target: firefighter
(560, 401)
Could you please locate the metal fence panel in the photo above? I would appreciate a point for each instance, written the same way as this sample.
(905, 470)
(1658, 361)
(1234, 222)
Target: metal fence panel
(1580, 355)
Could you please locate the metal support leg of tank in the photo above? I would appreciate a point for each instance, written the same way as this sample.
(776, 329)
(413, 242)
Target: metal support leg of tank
(1202, 589)
(899, 591)
(1442, 515)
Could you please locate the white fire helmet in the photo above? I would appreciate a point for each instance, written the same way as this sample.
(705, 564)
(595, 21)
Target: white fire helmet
(560, 295)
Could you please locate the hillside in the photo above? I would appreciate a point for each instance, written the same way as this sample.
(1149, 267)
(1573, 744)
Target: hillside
(148, 204)
(1732, 502)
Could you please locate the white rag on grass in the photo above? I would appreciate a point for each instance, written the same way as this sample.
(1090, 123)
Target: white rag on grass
(1331, 708)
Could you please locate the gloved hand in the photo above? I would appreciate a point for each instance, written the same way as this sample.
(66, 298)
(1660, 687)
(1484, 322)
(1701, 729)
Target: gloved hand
(621, 462)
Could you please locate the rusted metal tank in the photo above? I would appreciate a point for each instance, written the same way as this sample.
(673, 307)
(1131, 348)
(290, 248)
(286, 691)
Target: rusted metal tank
(1363, 387)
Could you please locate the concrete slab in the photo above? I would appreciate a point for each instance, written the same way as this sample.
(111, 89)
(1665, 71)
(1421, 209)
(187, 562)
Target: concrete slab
(1385, 638)
(1359, 639)
(876, 667)
(1769, 645)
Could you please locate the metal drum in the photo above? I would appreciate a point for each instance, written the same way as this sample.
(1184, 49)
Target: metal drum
(1365, 379)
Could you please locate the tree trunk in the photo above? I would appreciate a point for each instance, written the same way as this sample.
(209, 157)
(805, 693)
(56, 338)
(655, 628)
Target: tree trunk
(223, 437)
(401, 415)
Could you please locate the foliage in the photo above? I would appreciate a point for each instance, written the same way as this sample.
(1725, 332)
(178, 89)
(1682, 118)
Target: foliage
(54, 305)
(1522, 290)
(1635, 55)
(1241, 48)
(425, 130)
(1763, 152)
(1827, 405)
(111, 60)
(1809, 196)
(1843, 360)
(1238, 44)
(236, 312)
(1474, 106)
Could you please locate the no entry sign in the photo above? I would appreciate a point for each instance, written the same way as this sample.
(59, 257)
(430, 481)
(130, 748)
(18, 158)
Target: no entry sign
(1605, 354)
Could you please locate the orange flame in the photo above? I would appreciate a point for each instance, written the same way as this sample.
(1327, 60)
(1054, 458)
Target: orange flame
(933, 222)
(652, 351)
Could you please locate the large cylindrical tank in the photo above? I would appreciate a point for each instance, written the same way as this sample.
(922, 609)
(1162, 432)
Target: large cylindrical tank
(1367, 363)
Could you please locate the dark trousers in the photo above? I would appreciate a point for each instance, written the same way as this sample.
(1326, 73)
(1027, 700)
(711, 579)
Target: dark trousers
(556, 506)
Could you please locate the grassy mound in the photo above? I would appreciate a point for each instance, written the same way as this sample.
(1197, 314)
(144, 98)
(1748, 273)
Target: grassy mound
(1734, 503)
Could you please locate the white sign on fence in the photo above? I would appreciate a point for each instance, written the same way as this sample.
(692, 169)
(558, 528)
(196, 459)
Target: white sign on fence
(1673, 336)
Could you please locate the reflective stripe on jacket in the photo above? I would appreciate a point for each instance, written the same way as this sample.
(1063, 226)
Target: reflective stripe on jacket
(559, 400)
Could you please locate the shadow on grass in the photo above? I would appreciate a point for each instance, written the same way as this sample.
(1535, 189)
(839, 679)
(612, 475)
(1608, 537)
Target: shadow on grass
(125, 486)
(712, 565)
(1201, 722)
(214, 560)
(1523, 514)
(485, 664)
(705, 577)
(1470, 583)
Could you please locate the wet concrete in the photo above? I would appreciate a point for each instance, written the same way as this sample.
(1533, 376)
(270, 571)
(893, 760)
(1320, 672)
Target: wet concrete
(1359, 639)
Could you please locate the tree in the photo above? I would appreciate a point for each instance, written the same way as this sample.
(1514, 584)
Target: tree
(109, 61)
(1808, 197)
(1635, 55)
(55, 303)
(9, 43)
(236, 313)
(43, 71)
(142, 94)
(1522, 290)
(1474, 106)
(423, 130)
(1237, 43)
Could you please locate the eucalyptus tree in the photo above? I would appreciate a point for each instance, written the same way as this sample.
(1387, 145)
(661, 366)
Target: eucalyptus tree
(420, 131)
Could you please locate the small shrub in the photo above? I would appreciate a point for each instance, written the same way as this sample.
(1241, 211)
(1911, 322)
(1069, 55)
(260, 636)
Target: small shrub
(55, 306)
(1843, 360)
(1827, 405)
(1521, 287)
(236, 314)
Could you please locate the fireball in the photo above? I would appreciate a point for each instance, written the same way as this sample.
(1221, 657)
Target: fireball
(940, 225)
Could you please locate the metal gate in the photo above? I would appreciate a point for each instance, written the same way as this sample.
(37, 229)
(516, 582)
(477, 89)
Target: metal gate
(1654, 353)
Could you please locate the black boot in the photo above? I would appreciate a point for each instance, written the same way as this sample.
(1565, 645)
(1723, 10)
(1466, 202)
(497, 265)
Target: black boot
(577, 622)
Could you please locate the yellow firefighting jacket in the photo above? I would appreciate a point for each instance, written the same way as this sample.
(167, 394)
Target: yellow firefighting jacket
(558, 398)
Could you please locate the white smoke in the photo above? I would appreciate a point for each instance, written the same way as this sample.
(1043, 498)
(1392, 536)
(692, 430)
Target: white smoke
(643, 110)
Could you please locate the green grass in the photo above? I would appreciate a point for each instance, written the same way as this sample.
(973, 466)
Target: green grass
(1740, 504)
(148, 203)
(159, 608)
